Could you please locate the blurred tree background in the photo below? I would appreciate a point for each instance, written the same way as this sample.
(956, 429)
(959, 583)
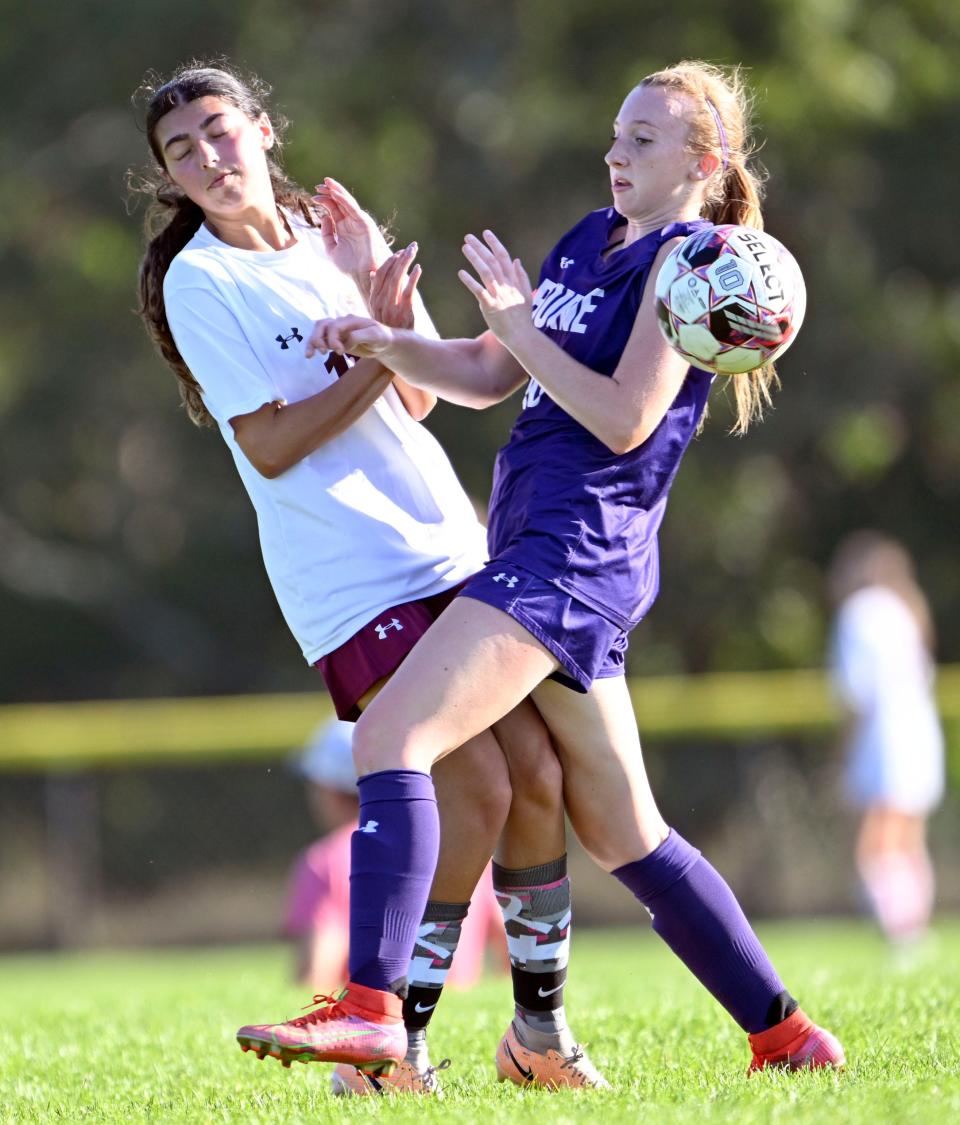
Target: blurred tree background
(129, 562)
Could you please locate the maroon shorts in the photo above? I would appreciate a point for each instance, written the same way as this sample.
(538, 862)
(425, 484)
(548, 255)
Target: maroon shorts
(377, 650)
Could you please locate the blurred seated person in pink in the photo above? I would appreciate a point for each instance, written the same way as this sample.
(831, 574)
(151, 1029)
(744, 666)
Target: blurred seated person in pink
(318, 902)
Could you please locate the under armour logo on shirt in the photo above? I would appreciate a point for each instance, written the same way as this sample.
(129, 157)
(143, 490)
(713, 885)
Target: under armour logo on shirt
(382, 629)
(564, 262)
(511, 580)
(284, 341)
(370, 827)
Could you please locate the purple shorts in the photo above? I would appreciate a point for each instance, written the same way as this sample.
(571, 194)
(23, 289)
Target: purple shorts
(378, 650)
(588, 646)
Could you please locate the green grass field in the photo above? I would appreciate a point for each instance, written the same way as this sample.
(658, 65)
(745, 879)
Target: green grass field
(125, 1037)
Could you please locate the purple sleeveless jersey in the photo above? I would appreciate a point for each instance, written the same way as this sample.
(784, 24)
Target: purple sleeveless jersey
(563, 506)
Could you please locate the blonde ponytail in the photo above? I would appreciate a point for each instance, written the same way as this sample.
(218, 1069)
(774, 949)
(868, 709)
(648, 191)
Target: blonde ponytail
(719, 122)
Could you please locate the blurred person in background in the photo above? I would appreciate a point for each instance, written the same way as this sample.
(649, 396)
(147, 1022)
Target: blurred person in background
(882, 665)
(317, 914)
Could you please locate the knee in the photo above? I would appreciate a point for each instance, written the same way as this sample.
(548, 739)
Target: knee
(536, 776)
(378, 745)
(494, 797)
(613, 837)
(473, 785)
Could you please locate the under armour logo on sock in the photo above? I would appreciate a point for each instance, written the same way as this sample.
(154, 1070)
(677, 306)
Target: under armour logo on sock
(511, 580)
(284, 341)
(370, 827)
(382, 629)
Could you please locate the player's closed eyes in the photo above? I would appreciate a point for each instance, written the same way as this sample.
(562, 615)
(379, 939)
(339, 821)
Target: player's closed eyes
(187, 151)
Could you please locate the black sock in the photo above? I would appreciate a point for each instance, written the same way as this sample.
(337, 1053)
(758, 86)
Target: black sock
(535, 902)
(433, 952)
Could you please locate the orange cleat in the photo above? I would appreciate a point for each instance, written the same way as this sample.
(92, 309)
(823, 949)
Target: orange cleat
(362, 1026)
(795, 1044)
(347, 1081)
(551, 1069)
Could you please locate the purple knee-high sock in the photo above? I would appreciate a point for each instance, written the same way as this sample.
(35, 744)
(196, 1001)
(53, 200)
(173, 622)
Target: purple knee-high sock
(696, 914)
(393, 858)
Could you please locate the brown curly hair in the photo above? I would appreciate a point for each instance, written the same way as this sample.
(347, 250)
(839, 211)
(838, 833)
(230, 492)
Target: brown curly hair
(172, 219)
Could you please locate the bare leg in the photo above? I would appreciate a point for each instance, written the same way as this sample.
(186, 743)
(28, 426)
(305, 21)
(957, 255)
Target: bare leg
(613, 811)
(473, 799)
(534, 845)
(608, 796)
(534, 832)
(894, 865)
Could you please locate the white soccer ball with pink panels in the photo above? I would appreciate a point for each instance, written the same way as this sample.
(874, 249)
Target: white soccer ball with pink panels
(730, 299)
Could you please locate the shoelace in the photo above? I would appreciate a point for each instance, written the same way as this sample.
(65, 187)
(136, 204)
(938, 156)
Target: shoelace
(429, 1076)
(574, 1057)
(320, 1014)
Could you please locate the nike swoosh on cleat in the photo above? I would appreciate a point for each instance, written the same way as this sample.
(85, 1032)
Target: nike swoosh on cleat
(550, 991)
(527, 1074)
(418, 1007)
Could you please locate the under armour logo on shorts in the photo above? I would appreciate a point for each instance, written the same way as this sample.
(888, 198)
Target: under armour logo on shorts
(382, 629)
(284, 341)
(370, 827)
(511, 580)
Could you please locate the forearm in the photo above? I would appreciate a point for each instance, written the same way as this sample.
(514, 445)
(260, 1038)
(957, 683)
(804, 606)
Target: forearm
(621, 415)
(279, 436)
(418, 402)
(468, 372)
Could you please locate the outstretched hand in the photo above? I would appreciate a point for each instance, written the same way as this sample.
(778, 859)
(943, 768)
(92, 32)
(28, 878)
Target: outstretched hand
(503, 292)
(358, 336)
(390, 300)
(392, 288)
(351, 237)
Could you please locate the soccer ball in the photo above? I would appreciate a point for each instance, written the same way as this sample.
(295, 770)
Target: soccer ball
(730, 299)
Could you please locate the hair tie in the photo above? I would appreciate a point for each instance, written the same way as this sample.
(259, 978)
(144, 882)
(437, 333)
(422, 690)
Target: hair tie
(724, 147)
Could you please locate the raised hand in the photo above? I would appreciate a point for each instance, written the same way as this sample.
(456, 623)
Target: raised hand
(392, 288)
(349, 335)
(503, 292)
(351, 237)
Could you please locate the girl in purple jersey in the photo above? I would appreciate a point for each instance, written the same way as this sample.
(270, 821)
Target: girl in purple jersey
(579, 492)
(365, 531)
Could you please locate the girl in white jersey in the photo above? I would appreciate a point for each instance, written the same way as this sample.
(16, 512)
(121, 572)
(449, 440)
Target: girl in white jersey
(881, 658)
(365, 531)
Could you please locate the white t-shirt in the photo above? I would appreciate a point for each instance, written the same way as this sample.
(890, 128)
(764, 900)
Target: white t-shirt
(883, 673)
(373, 518)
